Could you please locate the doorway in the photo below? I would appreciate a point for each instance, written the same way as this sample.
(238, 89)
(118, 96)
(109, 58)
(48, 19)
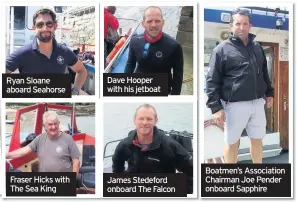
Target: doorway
(278, 115)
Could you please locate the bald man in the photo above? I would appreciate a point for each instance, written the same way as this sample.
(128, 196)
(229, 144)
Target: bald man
(148, 150)
(156, 52)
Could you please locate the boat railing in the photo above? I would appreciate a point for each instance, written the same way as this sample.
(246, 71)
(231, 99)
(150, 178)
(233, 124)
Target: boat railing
(110, 65)
(184, 134)
(108, 156)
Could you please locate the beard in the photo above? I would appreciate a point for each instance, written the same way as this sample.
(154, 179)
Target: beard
(46, 38)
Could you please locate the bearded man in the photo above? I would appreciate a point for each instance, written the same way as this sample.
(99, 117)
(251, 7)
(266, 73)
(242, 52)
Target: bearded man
(44, 55)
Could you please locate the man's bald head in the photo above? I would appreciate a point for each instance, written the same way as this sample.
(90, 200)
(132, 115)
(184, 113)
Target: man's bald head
(154, 8)
(152, 22)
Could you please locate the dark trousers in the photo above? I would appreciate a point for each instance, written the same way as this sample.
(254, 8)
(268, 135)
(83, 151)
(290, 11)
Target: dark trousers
(108, 47)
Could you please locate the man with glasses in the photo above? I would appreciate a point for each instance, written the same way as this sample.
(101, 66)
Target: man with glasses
(156, 52)
(238, 86)
(44, 55)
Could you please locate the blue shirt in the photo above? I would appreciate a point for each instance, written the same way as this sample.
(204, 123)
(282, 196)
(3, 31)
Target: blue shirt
(29, 60)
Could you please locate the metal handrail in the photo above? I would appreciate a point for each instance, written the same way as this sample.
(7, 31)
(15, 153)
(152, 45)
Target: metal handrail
(128, 19)
(108, 68)
(190, 135)
(108, 144)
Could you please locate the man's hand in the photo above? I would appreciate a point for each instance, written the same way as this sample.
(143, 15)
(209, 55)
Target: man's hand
(75, 165)
(219, 117)
(269, 101)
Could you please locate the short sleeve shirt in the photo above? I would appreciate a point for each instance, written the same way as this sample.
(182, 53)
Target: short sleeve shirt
(55, 155)
(29, 60)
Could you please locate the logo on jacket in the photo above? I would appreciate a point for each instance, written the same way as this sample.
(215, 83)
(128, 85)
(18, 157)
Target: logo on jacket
(153, 159)
(159, 54)
(60, 60)
(58, 149)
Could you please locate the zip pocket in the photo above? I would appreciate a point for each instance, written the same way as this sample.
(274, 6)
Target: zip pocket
(230, 94)
(256, 62)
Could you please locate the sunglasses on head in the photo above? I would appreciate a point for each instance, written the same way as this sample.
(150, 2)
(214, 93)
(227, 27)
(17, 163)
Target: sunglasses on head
(40, 25)
(145, 52)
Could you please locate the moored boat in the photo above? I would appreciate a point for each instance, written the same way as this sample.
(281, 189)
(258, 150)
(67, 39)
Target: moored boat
(30, 162)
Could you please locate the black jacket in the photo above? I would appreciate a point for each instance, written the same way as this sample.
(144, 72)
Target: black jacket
(237, 73)
(164, 56)
(163, 155)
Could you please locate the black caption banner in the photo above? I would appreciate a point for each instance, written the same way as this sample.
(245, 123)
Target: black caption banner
(242, 180)
(40, 184)
(144, 185)
(36, 85)
(135, 84)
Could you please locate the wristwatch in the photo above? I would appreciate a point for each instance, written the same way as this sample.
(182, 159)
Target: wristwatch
(75, 91)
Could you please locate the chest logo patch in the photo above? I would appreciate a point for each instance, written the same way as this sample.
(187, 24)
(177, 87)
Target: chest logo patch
(159, 54)
(60, 60)
(58, 149)
(153, 159)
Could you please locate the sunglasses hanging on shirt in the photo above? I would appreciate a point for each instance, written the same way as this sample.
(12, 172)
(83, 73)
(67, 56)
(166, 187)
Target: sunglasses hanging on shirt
(146, 50)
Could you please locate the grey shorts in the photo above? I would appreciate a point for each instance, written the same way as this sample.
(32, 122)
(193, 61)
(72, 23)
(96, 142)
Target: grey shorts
(245, 114)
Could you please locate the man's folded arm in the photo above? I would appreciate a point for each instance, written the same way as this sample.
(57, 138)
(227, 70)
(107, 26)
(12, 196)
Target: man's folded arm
(214, 82)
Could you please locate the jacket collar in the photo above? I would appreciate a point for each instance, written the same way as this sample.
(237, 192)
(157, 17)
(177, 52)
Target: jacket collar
(157, 139)
(236, 39)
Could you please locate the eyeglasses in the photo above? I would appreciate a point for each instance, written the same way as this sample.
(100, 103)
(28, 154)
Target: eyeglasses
(40, 25)
(146, 51)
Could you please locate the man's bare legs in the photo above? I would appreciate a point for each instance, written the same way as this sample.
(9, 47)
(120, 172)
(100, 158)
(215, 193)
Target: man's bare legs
(230, 152)
(256, 150)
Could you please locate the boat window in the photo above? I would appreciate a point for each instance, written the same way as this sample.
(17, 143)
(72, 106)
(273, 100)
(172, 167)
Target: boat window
(30, 11)
(19, 17)
(58, 9)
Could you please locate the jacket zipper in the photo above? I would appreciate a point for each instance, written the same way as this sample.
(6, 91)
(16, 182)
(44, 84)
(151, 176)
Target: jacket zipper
(255, 76)
(230, 94)
(257, 63)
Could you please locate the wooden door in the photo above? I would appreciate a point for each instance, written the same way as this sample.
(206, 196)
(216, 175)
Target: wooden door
(284, 104)
(269, 52)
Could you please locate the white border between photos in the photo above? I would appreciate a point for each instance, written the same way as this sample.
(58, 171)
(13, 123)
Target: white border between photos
(40, 100)
(2, 58)
(203, 5)
(192, 101)
(155, 3)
